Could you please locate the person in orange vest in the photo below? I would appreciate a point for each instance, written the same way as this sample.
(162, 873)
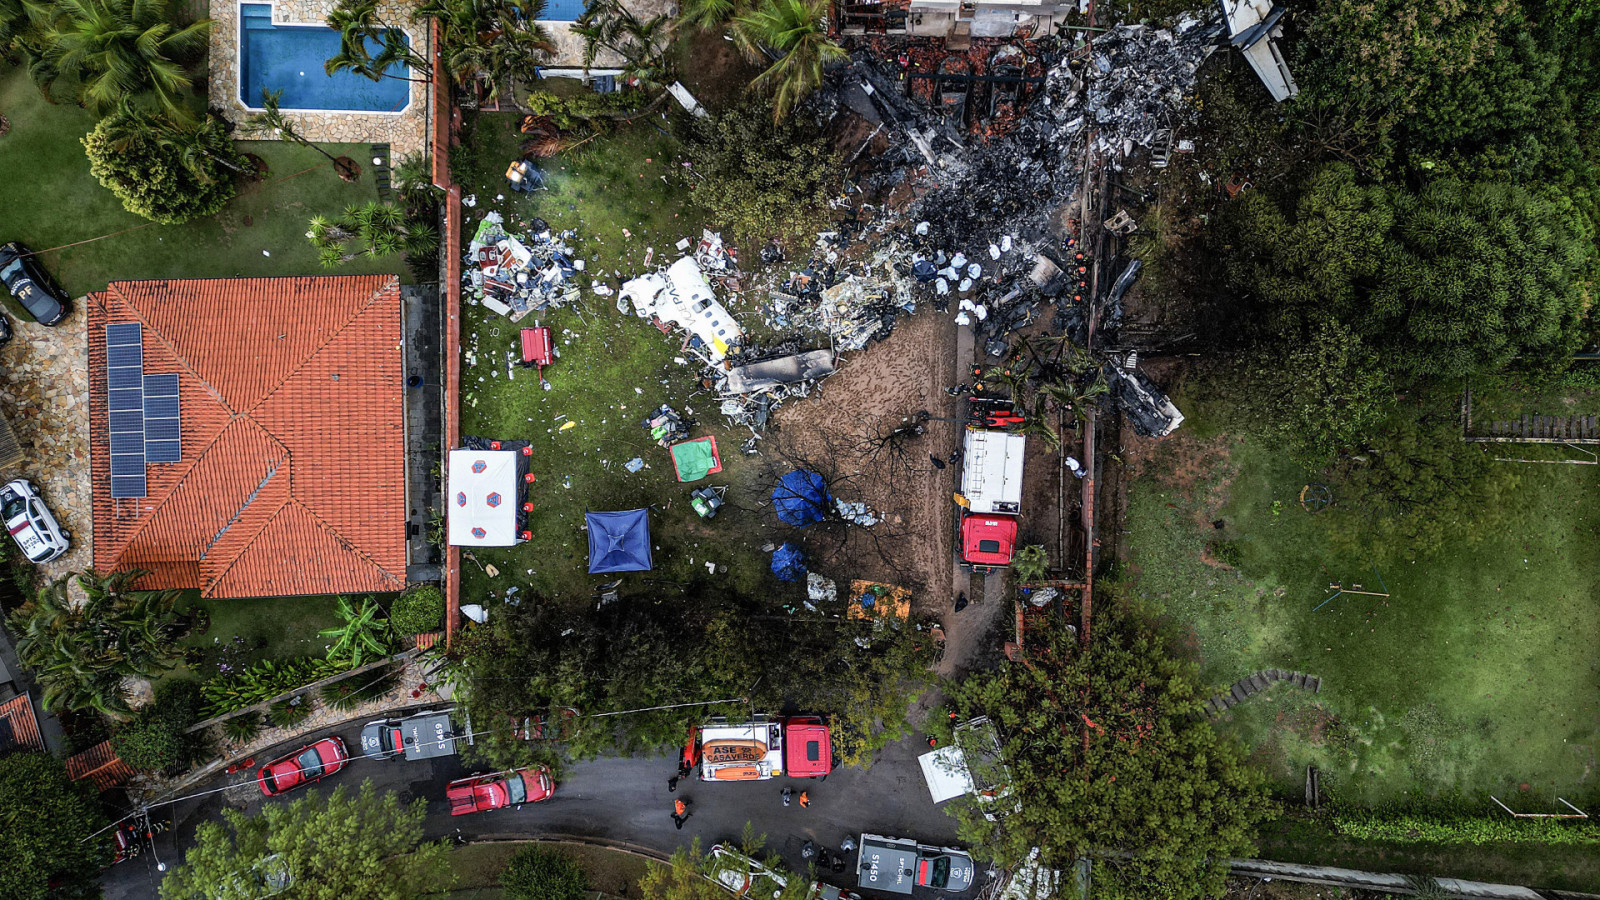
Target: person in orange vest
(680, 813)
(805, 800)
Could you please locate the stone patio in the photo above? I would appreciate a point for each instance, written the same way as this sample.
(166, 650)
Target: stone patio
(406, 133)
(44, 386)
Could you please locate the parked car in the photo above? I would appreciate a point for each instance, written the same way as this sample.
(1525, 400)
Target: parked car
(31, 523)
(898, 865)
(482, 793)
(309, 764)
(425, 735)
(31, 284)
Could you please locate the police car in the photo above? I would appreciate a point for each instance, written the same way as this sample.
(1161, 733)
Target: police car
(30, 522)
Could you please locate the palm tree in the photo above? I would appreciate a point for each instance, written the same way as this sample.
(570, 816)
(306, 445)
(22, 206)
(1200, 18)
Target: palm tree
(490, 41)
(708, 15)
(793, 34)
(382, 227)
(272, 119)
(360, 26)
(114, 51)
(642, 44)
(84, 649)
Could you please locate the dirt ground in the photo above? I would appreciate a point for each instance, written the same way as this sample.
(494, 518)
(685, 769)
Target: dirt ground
(871, 391)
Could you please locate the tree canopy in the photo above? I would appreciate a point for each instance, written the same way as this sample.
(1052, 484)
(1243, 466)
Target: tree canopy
(44, 820)
(539, 656)
(333, 847)
(165, 173)
(1111, 760)
(1455, 280)
(112, 53)
(762, 179)
(82, 651)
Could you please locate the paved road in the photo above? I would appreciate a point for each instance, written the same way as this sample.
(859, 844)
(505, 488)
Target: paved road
(622, 799)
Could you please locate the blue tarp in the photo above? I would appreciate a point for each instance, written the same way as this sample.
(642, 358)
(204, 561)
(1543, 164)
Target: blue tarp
(619, 541)
(788, 563)
(800, 498)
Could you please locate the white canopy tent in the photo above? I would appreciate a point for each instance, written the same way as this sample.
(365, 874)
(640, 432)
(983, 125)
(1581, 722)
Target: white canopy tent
(482, 498)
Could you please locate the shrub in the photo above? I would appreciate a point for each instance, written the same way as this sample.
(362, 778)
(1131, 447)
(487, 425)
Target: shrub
(539, 873)
(358, 689)
(1459, 827)
(242, 729)
(417, 611)
(1226, 552)
(155, 737)
(581, 110)
(262, 681)
(160, 173)
(761, 179)
(291, 712)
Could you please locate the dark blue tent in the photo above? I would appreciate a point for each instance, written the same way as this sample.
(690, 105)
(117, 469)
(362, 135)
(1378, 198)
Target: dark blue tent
(788, 563)
(619, 541)
(800, 498)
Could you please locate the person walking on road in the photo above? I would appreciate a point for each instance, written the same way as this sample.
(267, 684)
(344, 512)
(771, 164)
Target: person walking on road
(672, 785)
(680, 813)
(787, 793)
(805, 800)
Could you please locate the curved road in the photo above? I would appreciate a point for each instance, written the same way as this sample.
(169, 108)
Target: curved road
(621, 799)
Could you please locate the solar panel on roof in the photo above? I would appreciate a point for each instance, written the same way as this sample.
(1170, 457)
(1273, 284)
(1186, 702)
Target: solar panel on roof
(125, 407)
(161, 422)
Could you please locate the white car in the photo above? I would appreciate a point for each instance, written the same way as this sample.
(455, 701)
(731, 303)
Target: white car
(30, 522)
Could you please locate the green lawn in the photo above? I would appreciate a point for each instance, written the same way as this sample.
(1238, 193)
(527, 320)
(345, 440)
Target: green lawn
(50, 200)
(614, 369)
(1478, 675)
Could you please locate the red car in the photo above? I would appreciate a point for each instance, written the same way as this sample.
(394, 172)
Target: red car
(481, 793)
(310, 763)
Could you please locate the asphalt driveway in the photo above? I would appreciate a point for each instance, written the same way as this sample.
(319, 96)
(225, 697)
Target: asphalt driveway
(618, 799)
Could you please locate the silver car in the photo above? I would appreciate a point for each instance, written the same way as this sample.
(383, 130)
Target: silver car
(30, 522)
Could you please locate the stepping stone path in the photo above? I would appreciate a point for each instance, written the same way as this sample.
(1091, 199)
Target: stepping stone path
(1245, 687)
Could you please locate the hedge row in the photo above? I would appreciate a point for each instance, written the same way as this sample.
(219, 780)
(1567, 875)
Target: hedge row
(1461, 828)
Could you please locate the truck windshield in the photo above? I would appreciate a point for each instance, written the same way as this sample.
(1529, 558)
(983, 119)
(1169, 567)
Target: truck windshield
(941, 872)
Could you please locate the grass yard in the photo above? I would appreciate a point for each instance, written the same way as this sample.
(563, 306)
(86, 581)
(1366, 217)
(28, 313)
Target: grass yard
(52, 200)
(614, 369)
(1479, 675)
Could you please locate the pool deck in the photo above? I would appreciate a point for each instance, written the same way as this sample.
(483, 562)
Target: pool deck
(405, 132)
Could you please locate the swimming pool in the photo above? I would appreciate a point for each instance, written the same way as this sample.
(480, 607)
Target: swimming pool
(290, 58)
(562, 11)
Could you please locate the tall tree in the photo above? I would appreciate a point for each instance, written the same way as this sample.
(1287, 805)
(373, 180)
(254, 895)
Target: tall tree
(642, 44)
(362, 29)
(490, 42)
(1111, 761)
(112, 53)
(45, 823)
(793, 36)
(83, 648)
(334, 847)
(1454, 280)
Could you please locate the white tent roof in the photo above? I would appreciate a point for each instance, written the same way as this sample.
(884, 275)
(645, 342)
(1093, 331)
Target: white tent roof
(946, 772)
(482, 498)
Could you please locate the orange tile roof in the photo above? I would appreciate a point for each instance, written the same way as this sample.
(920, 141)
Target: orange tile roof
(293, 472)
(19, 730)
(101, 765)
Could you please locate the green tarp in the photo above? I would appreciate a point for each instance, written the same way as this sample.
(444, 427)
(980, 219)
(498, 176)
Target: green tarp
(696, 459)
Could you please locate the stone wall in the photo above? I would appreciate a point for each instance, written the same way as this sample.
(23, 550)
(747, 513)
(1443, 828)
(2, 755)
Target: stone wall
(405, 132)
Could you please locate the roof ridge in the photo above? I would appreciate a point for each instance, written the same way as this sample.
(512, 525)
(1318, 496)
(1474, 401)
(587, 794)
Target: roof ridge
(358, 550)
(149, 520)
(393, 281)
(147, 329)
(320, 522)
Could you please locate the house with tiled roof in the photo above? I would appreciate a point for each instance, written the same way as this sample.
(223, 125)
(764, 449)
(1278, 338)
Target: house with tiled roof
(247, 435)
(19, 728)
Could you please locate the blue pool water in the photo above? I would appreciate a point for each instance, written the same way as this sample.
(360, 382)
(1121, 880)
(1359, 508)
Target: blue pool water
(290, 58)
(562, 11)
